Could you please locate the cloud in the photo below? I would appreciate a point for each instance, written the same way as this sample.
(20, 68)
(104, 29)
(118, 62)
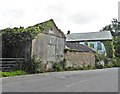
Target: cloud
(76, 15)
(13, 13)
(85, 17)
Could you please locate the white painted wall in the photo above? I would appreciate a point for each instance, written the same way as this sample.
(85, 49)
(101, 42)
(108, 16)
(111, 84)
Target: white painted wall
(96, 46)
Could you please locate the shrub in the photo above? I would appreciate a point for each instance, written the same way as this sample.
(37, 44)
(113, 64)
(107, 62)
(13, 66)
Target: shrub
(57, 67)
(109, 48)
(50, 70)
(13, 73)
(99, 66)
(118, 61)
(99, 57)
(33, 65)
(89, 67)
(108, 66)
(78, 68)
(72, 68)
(69, 68)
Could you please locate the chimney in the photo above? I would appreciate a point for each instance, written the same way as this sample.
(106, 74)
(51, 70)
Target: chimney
(68, 32)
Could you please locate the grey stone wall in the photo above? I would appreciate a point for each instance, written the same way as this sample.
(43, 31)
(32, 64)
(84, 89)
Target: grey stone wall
(79, 58)
(48, 47)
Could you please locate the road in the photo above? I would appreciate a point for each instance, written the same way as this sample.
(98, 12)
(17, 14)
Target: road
(102, 80)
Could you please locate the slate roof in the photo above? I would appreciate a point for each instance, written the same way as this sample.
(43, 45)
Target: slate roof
(91, 36)
(77, 47)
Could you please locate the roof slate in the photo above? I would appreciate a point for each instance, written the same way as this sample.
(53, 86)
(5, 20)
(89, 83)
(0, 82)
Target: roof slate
(78, 47)
(91, 36)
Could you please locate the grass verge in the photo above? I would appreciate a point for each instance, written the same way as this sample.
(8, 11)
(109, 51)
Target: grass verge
(12, 73)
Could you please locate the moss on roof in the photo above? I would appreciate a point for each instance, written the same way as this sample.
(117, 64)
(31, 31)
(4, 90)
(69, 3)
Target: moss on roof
(45, 25)
(33, 30)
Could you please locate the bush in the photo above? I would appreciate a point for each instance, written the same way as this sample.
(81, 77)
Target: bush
(13, 73)
(88, 67)
(108, 66)
(33, 65)
(99, 66)
(118, 61)
(57, 67)
(99, 57)
(78, 68)
(50, 70)
(69, 68)
(113, 62)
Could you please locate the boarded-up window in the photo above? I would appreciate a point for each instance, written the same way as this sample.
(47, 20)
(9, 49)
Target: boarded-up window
(51, 53)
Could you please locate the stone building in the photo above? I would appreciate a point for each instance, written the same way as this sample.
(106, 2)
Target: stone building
(79, 55)
(93, 40)
(44, 41)
(49, 44)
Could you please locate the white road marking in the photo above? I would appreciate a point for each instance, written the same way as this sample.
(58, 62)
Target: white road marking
(75, 83)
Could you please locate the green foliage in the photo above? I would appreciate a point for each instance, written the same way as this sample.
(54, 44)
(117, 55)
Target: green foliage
(99, 66)
(108, 65)
(99, 57)
(12, 73)
(91, 45)
(86, 43)
(114, 28)
(116, 62)
(15, 38)
(57, 67)
(88, 67)
(32, 30)
(70, 68)
(45, 25)
(33, 65)
(117, 46)
(78, 68)
(14, 43)
(109, 48)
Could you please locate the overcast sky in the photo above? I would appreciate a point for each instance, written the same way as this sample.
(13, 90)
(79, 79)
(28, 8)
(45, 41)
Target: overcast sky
(74, 15)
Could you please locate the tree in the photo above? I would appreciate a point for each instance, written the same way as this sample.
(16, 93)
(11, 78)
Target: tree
(114, 28)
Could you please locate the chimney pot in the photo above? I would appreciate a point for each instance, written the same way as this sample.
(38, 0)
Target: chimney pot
(68, 32)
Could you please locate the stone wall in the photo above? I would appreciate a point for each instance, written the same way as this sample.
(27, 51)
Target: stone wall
(48, 47)
(74, 58)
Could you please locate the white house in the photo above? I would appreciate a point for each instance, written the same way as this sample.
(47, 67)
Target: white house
(91, 39)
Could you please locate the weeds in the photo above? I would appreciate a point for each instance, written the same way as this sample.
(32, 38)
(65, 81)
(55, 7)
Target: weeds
(12, 73)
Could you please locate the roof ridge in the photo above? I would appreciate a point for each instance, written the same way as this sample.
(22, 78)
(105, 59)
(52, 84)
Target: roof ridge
(89, 32)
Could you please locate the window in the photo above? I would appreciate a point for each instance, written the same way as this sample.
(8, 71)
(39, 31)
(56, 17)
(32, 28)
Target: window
(99, 46)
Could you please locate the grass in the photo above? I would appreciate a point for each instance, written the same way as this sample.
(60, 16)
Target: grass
(12, 73)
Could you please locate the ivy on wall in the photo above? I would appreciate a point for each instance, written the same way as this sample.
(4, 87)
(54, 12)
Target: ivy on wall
(109, 48)
(32, 30)
(14, 38)
(14, 45)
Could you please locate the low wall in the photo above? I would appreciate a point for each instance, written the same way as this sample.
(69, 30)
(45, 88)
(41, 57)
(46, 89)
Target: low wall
(79, 58)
